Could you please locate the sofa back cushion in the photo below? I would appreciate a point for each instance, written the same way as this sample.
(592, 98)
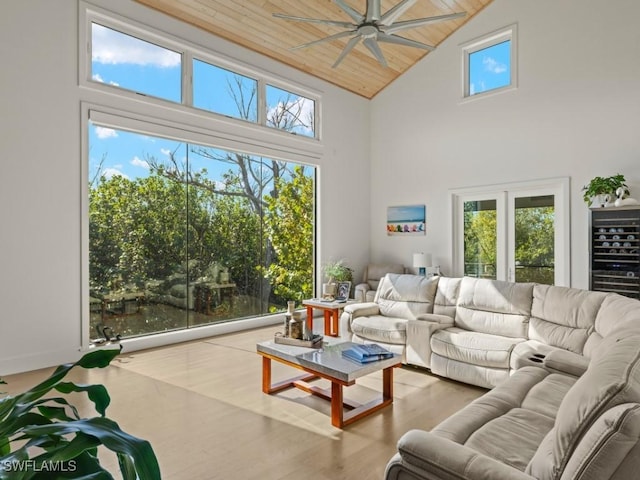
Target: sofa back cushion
(610, 448)
(406, 296)
(495, 307)
(616, 312)
(563, 317)
(447, 296)
(613, 378)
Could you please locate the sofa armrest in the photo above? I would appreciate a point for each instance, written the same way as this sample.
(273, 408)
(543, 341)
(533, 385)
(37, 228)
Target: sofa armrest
(424, 455)
(445, 320)
(419, 334)
(360, 292)
(563, 361)
(362, 309)
(352, 311)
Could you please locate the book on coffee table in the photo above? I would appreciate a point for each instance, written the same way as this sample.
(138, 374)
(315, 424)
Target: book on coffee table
(367, 353)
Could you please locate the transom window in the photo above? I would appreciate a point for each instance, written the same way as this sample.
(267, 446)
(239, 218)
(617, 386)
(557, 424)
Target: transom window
(139, 63)
(490, 63)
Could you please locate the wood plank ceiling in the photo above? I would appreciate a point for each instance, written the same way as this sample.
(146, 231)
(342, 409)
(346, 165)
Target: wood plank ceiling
(250, 23)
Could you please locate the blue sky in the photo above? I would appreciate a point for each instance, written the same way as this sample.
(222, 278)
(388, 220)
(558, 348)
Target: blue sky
(490, 68)
(127, 62)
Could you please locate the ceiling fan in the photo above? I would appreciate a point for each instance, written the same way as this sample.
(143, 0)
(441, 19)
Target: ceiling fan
(372, 27)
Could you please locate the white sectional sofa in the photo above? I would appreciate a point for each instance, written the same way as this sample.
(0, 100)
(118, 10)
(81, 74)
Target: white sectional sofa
(540, 425)
(563, 365)
(480, 331)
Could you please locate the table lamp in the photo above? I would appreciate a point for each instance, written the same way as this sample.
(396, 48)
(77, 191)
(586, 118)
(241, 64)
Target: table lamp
(421, 261)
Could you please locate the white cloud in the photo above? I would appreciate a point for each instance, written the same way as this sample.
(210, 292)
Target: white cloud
(113, 172)
(111, 47)
(98, 78)
(493, 66)
(137, 162)
(165, 151)
(103, 133)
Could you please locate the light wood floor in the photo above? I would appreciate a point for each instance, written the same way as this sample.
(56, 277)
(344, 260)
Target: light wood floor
(201, 406)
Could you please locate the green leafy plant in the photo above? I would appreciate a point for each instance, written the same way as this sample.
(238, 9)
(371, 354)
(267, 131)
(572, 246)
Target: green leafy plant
(338, 272)
(602, 186)
(45, 437)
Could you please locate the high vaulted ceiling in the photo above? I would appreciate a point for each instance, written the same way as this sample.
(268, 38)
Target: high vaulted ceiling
(251, 23)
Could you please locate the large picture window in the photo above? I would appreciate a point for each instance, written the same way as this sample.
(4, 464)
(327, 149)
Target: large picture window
(182, 235)
(197, 213)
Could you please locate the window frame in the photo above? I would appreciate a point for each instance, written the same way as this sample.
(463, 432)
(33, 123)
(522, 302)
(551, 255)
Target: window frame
(505, 231)
(509, 33)
(124, 109)
(91, 14)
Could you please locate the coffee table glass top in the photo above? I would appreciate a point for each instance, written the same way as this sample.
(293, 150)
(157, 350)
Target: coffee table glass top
(327, 360)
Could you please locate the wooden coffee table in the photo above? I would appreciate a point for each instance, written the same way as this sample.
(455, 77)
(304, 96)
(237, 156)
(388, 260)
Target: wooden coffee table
(328, 363)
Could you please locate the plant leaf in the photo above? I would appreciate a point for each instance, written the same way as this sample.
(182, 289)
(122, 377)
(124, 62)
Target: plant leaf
(97, 394)
(109, 433)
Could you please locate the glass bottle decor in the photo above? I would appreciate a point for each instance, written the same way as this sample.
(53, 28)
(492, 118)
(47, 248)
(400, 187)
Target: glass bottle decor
(291, 306)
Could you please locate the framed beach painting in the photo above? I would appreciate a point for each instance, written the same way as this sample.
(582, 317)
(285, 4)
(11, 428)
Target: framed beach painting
(407, 220)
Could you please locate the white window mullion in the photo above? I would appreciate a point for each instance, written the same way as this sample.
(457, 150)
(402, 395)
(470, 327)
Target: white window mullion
(187, 78)
(262, 102)
(504, 226)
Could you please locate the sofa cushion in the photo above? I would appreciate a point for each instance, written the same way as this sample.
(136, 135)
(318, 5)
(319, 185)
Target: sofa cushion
(609, 447)
(494, 307)
(406, 296)
(378, 328)
(563, 317)
(447, 296)
(509, 422)
(616, 312)
(485, 377)
(613, 378)
(512, 438)
(472, 347)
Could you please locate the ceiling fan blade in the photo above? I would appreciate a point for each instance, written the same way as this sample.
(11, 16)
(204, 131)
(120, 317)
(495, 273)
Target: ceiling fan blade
(374, 48)
(392, 14)
(396, 27)
(356, 16)
(373, 11)
(315, 20)
(325, 39)
(383, 37)
(350, 44)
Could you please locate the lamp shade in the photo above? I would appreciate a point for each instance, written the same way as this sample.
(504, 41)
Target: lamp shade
(421, 260)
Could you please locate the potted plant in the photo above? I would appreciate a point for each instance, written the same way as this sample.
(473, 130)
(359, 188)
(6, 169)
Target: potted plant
(594, 194)
(45, 437)
(335, 272)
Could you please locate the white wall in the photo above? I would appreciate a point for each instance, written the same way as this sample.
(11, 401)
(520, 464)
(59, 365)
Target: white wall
(576, 113)
(40, 180)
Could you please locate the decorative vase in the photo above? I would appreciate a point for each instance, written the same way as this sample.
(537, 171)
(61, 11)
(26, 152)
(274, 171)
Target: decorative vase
(599, 201)
(295, 326)
(291, 306)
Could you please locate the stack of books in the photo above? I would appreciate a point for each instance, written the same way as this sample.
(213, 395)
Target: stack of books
(367, 353)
